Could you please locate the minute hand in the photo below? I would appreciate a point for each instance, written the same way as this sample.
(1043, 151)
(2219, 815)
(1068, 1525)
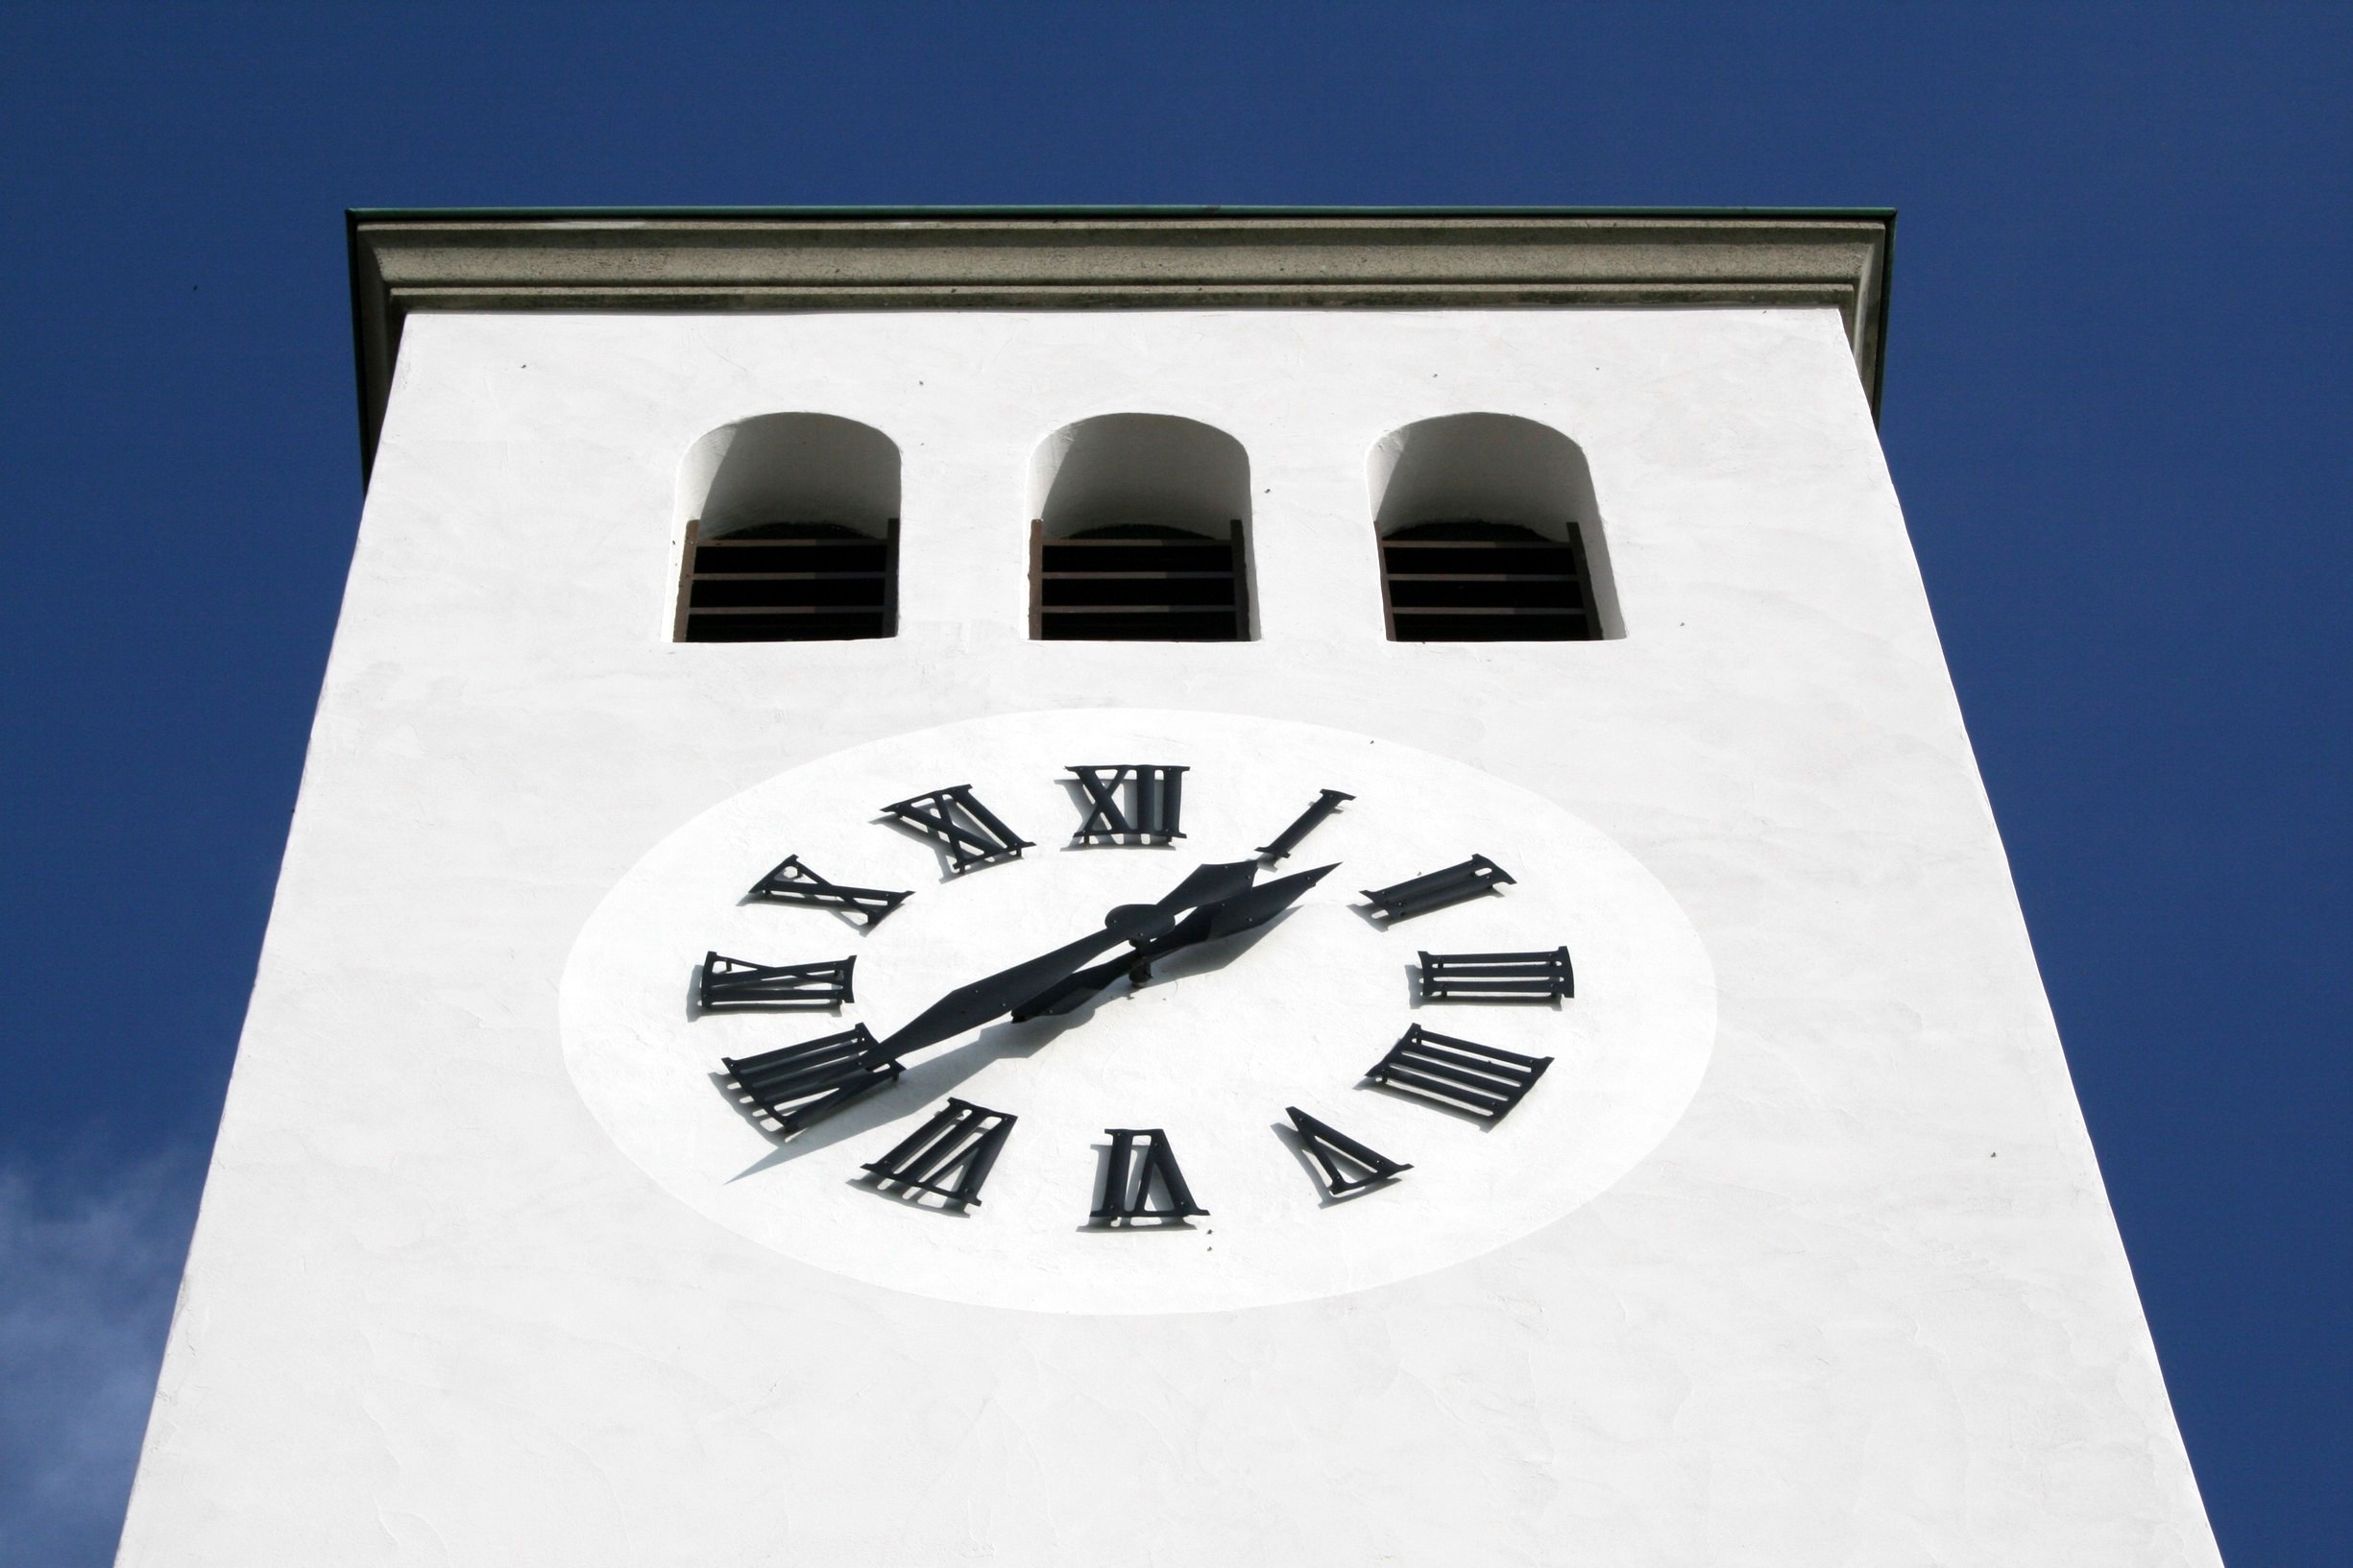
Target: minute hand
(1244, 911)
(969, 1006)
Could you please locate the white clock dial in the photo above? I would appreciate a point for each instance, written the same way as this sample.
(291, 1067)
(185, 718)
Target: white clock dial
(1212, 1051)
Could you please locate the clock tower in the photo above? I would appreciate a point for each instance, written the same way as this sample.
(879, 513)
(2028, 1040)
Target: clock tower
(1180, 887)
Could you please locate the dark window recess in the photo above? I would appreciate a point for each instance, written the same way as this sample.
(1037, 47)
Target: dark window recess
(788, 582)
(1138, 583)
(1486, 582)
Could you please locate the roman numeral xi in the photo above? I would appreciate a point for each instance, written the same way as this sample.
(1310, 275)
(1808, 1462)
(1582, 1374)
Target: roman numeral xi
(955, 819)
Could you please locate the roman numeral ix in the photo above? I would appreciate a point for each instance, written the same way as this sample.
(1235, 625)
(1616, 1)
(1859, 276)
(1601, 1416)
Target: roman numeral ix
(1336, 1153)
(1156, 793)
(1141, 1181)
(800, 1083)
(794, 882)
(1461, 1074)
(1497, 976)
(956, 820)
(1419, 895)
(733, 983)
(949, 1156)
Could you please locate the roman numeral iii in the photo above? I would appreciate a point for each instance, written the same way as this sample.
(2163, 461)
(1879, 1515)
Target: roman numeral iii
(1497, 976)
(955, 819)
(1156, 795)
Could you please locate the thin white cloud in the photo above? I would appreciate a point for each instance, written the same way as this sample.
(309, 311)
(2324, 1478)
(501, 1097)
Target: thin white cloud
(89, 1261)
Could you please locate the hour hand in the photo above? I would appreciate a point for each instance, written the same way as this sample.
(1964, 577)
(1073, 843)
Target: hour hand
(969, 1006)
(1238, 912)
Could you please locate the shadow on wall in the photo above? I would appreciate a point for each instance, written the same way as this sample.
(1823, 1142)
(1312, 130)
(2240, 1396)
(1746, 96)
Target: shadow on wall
(1139, 470)
(1139, 532)
(788, 530)
(790, 468)
(1501, 471)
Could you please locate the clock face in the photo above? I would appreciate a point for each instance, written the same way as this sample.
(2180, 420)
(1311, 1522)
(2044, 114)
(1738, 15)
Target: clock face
(1295, 1103)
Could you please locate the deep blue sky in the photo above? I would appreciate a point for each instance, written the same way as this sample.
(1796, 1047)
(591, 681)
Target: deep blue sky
(2116, 410)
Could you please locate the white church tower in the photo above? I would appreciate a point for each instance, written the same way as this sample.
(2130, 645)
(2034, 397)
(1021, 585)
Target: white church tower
(1193, 889)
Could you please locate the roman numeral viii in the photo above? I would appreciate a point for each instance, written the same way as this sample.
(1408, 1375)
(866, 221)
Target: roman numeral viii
(800, 1083)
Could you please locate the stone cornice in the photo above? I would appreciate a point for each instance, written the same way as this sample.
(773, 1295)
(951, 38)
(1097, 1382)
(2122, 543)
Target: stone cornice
(1103, 260)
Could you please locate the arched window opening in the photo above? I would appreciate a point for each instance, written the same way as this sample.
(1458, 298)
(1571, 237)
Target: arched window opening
(1488, 533)
(791, 532)
(1140, 532)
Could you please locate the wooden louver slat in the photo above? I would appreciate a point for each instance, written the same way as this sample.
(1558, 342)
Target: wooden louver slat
(788, 582)
(1130, 583)
(1483, 582)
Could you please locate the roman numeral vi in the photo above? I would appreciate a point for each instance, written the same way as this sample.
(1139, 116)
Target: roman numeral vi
(1141, 1181)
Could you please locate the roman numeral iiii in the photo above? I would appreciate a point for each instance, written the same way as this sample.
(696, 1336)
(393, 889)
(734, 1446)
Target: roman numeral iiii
(1460, 1074)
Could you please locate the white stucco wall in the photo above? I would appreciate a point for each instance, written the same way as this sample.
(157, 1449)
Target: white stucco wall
(1862, 1301)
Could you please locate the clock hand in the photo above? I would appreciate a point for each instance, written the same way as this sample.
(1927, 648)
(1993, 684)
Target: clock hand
(1230, 916)
(969, 1006)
